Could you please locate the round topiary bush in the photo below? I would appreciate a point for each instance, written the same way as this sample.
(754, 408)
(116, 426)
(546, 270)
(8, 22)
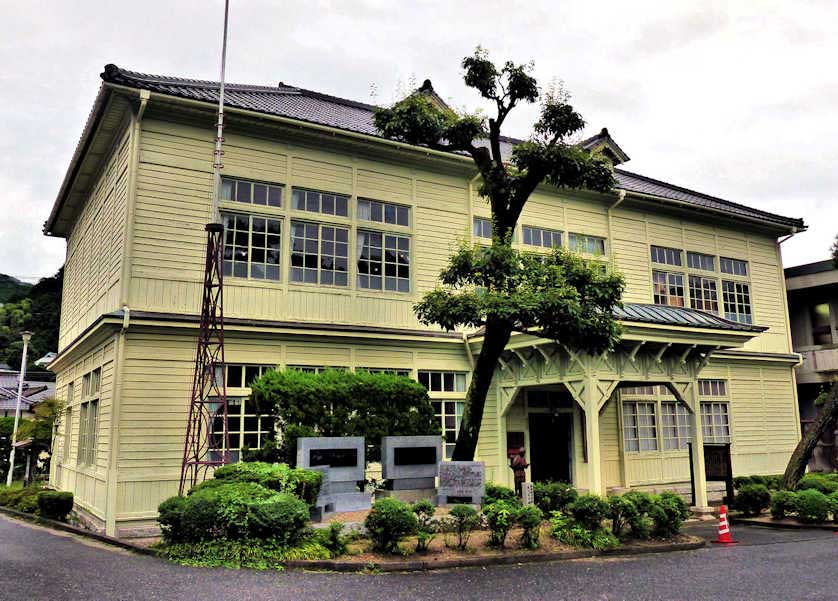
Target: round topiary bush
(553, 496)
(283, 518)
(783, 504)
(668, 513)
(388, 522)
(589, 511)
(496, 492)
(622, 511)
(752, 499)
(55, 504)
(825, 483)
(812, 506)
(529, 517)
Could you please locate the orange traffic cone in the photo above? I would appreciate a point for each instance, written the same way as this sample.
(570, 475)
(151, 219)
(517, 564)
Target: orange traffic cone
(724, 529)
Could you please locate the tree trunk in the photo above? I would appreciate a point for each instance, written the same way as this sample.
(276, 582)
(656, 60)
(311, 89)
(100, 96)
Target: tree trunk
(496, 337)
(825, 422)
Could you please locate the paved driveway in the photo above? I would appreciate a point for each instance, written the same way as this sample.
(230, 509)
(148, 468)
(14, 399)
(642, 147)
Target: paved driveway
(40, 564)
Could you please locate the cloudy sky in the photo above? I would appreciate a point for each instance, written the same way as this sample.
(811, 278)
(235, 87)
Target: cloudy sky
(735, 99)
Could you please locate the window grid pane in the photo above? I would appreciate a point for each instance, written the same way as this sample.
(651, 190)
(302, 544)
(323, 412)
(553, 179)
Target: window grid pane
(696, 260)
(251, 192)
(383, 212)
(667, 256)
(733, 266)
(320, 202)
(737, 301)
(443, 381)
(668, 288)
(584, 243)
(675, 420)
(482, 228)
(715, 422)
(703, 294)
(383, 261)
(639, 426)
(536, 236)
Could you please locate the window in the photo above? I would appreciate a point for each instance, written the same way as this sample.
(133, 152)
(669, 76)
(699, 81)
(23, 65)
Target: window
(246, 429)
(251, 246)
(443, 381)
(715, 422)
(89, 418)
(703, 294)
(251, 192)
(450, 414)
(383, 212)
(675, 424)
(639, 426)
(242, 376)
(667, 256)
(714, 388)
(315, 369)
(737, 301)
(319, 254)
(668, 288)
(68, 430)
(383, 259)
(733, 266)
(582, 243)
(701, 261)
(536, 236)
(320, 202)
(387, 370)
(482, 227)
(649, 390)
(821, 326)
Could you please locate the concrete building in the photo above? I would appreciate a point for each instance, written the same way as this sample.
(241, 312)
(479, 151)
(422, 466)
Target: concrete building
(332, 234)
(813, 309)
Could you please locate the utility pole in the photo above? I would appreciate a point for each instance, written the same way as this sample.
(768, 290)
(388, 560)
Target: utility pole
(27, 336)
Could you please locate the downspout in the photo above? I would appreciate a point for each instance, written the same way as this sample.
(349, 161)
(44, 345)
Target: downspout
(796, 403)
(116, 406)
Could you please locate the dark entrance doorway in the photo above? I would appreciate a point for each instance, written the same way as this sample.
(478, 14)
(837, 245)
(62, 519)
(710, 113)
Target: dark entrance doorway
(550, 443)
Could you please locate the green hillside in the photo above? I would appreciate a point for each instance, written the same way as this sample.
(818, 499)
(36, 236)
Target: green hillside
(11, 288)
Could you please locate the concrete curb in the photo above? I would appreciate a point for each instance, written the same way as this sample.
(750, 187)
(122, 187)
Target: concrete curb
(76, 530)
(782, 525)
(497, 560)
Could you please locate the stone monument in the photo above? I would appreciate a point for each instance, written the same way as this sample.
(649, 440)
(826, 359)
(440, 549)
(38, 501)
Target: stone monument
(461, 482)
(341, 459)
(409, 463)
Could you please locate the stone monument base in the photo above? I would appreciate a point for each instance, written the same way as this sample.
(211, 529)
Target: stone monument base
(410, 496)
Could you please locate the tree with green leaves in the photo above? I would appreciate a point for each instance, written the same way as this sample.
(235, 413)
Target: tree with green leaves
(498, 288)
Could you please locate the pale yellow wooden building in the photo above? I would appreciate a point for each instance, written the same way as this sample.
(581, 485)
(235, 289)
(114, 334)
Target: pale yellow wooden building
(332, 234)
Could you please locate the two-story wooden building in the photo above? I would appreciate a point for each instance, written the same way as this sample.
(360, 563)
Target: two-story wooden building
(332, 234)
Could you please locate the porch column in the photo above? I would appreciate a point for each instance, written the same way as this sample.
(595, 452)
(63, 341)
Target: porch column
(691, 398)
(596, 483)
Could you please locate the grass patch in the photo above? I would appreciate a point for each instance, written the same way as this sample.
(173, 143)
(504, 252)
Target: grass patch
(249, 553)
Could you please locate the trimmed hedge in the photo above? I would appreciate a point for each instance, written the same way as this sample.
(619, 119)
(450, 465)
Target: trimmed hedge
(234, 511)
(808, 505)
(772, 482)
(496, 492)
(302, 483)
(23, 499)
(752, 499)
(388, 522)
(553, 496)
(55, 504)
(825, 483)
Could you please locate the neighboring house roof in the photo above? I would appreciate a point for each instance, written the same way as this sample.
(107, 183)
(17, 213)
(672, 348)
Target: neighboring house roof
(680, 316)
(810, 268)
(33, 393)
(46, 359)
(322, 109)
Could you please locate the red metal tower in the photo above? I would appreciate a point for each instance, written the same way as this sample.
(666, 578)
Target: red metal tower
(205, 447)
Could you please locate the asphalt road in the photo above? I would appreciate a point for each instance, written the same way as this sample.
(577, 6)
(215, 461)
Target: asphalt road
(40, 564)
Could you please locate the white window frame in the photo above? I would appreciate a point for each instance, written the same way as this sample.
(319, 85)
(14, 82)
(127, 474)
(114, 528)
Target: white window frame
(736, 301)
(481, 227)
(587, 244)
(532, 232)
(670, 284)
(321, 243)
(232, 188)
(387, 212)
(638, 437)
(231, 242)
(398, 260)
(327, 203)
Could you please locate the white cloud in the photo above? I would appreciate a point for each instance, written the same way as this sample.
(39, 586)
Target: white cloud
(736, 99)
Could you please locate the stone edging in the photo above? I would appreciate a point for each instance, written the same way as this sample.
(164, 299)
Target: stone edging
(781, 525)
(337, 565)
(116, 542)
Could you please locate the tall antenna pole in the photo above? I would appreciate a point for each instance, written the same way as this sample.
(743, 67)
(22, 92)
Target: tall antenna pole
(205, 447)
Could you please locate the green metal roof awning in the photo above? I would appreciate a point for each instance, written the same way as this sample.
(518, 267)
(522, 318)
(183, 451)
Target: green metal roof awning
(680, 316)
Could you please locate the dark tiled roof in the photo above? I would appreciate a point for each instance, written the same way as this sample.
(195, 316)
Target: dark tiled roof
(810, 268)
(313, 107)
(680, 316)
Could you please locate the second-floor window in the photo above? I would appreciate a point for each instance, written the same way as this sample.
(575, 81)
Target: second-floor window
(251, 246)
(537, 236)
(482, 227)
(583, 243)
(383, 212)
(383, 261)
(821, 324)
(668, 288)
(314, 201)
(666, 256)
(703, 294)
(737, 301)
(319, 254)
(255, 193)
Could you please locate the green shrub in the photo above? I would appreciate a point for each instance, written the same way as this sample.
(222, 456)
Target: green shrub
(825, 483)
(461, 520)
(833, 506)
(573, 533)
(23, 499)
(668, 514)
(622, 511)
(426, 526)
(233, 510)
(304, 484)
(248, 553)
(772, 482)
(812, 506)
(55, 504)
(28, 504)
(496, 492)
(529, 517)
(500, 517)
(170, 518)
(331, 538)
(282, 518)
(589, 511)
(783, 504)
(553, 496)
(388, 522)
(752, 499)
